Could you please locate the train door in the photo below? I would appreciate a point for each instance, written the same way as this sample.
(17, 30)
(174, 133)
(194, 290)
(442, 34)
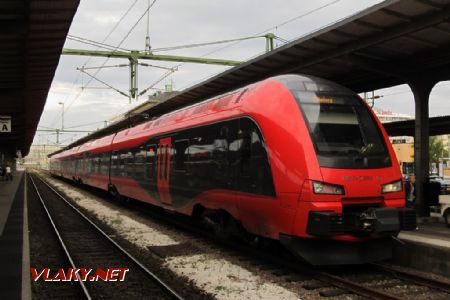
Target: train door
(163, 170)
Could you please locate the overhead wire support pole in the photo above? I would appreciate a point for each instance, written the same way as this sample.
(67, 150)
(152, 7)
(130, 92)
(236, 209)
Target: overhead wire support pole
(158, 81)
(147, 37)
(142, 55)
(133, 57)
(269, 41)
(133, 77)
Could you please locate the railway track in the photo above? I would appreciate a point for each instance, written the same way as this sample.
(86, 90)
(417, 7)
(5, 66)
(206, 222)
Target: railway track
(373, 281)
(87, 246)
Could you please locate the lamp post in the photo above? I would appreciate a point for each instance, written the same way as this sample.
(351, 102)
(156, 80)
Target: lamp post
(62, 115)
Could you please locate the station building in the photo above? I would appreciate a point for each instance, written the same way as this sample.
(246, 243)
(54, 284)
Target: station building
(38, 156)
(404, 145)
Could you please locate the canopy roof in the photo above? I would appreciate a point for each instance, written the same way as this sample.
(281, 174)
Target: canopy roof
(32, 34)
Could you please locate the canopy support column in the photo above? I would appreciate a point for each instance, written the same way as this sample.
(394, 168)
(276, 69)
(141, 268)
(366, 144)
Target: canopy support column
(421, 88)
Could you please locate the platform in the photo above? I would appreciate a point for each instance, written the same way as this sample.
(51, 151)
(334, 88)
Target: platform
(14, 250)
(427, 249)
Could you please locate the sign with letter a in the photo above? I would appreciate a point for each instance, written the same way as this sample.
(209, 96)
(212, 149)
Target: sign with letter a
(5, 123)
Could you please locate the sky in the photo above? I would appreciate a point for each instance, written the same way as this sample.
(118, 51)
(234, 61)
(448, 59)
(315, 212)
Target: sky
(88, 104)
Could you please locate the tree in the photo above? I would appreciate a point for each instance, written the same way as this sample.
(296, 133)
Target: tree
(437, 149)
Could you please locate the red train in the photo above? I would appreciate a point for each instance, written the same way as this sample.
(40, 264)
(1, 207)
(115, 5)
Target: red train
(292, 158)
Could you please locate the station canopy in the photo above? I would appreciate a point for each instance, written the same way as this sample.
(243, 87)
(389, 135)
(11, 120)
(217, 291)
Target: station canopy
(32, 35)
(377, 48)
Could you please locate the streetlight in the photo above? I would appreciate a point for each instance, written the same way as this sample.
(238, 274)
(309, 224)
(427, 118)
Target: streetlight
(62, 115)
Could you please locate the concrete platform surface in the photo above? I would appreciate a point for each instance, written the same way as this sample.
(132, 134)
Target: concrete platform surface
(426, 249)
(7, 192)
(14, 278)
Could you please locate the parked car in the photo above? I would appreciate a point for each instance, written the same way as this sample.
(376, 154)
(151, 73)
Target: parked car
(444, 208)
(445, 184)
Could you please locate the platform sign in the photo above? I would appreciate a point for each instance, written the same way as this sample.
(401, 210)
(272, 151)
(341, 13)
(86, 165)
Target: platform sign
(5, 124)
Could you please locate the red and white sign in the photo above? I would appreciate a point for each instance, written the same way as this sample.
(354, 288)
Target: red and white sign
(83, 274)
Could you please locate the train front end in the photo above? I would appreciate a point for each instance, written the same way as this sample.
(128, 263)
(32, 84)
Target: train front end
(349, 211)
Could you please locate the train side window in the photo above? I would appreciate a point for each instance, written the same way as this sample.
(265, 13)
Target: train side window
(139, 162)
(89, 169)
(181, 155)
(121, 156)
(126, 167)
(150, 159)
(97, 163)
(105, 163)
(114, 161)
(255, 174)
(92, 165)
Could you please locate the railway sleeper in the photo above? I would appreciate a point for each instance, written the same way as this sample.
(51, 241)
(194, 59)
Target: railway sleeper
(333, 292)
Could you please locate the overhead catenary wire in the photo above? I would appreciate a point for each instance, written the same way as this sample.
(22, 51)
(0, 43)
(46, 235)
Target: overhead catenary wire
(280, 25)
(239, 40)
(269, 29)
(94, 43)
(115, 27)
(135, 24)
(89, 59)
(83, 125)
(157, 81)
(115, 49)
(206, 44)
(108, 85)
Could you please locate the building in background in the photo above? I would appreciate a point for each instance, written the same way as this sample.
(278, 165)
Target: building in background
(403, 145)
(38, 156)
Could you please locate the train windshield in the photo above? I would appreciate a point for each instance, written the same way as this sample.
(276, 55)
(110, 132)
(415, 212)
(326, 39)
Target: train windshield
(344, 132)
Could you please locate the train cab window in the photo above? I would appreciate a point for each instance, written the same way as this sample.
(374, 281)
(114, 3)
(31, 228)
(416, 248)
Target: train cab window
(328, 116)
(180, 155)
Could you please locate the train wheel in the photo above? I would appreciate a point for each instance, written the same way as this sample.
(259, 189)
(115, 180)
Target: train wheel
(447, 217)
(114, 193)
(218, 222)
(254, 241)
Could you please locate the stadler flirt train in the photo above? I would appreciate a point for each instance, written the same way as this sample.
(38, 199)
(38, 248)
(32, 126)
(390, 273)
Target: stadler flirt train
(292, 158)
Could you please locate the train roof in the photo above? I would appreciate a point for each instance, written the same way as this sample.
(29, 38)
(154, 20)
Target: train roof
(215, 108)
(206, 111)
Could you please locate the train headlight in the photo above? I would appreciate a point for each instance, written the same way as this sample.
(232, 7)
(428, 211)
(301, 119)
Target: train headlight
(326, 188)
(392, 187)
